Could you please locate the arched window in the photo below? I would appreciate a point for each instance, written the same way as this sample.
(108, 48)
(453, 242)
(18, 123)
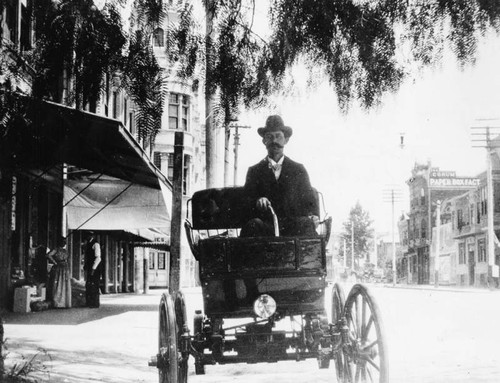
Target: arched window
(158, 38)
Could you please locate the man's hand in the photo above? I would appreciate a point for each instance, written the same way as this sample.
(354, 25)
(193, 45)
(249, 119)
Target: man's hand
(263, 204)
(92, 272)
(315, 220)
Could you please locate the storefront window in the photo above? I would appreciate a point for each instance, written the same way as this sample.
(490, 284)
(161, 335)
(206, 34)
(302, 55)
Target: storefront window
(151, 260)
(161, 260)
(481, 246)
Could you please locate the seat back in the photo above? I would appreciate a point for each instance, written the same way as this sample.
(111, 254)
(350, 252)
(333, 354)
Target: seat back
(224, 208)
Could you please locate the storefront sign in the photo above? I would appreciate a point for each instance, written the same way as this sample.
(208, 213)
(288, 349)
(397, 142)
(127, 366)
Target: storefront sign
(436, 173)
(13, 205)
(454, 183)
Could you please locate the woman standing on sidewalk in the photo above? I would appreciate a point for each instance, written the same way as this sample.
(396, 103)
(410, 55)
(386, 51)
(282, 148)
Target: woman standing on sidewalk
(59, 280)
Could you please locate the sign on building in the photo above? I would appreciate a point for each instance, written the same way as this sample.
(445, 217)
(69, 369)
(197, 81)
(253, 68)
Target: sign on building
(449, 180)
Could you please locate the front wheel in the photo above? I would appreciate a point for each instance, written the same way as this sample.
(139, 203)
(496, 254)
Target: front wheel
(170, 367)
(181, 319)
(364, 350)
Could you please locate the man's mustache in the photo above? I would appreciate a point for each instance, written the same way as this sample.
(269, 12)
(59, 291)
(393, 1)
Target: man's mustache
(274, 145)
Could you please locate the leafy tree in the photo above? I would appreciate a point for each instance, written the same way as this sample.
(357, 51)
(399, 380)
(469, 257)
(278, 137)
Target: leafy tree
(76, 38)
(357, 45)
(359, 221)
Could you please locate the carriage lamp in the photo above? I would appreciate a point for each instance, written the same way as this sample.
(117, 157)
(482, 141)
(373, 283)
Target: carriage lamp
(264, 306)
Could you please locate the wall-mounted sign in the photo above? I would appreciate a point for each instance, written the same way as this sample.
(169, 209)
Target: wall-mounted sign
(436, 173)
(453, 183)
(13, 204)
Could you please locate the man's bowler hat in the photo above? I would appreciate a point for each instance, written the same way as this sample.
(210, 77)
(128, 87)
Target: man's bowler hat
(273, 124)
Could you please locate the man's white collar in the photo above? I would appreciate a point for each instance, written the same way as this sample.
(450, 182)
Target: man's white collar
(274, 163)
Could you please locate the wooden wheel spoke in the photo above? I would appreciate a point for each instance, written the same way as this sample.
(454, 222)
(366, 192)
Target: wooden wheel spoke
(370, 345)
(358, 373)
(348, 370)
(368, 327)
(368, 371)
(371, 362)
(363, 319)
(358, 316)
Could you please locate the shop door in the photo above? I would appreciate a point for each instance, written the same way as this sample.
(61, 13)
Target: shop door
(423, 266)
(158, 269)
(472, 264)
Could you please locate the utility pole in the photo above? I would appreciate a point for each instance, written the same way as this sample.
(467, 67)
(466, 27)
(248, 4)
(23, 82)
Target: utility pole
(345, 254)
(228, 128)
(236, 144)
(210, 136)
(175, 222)
(393, 195)
(352, 245)
(227, 136)
(438, 243)
(482, 138)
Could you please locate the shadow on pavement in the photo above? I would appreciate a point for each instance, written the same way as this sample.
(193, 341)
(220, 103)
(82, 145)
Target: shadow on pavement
(110, 306)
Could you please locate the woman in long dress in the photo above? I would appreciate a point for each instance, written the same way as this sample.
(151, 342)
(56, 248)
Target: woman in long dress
(60, 282)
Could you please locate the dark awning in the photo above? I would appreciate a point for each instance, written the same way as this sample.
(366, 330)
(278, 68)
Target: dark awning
(54, 134)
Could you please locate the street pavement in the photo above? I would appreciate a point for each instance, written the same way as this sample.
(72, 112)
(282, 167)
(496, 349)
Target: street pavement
(434, 335)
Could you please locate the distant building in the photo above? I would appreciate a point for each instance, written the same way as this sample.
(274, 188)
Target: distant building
(427, 186)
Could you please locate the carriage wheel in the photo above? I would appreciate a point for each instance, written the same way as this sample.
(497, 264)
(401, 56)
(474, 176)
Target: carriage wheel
(168, 354)
(338, 300)
(364, 353)
(181, 319)
(198, 332)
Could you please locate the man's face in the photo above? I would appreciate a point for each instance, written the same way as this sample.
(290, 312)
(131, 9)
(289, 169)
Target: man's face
(275, 142)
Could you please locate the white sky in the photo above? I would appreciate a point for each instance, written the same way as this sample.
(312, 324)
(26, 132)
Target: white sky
(355, 157)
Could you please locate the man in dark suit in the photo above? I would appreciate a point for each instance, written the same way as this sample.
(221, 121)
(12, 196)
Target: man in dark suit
(92, 254)
(282, 184)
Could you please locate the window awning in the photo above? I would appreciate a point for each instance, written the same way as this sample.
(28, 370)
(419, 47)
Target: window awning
(56, 134)
(112, 204)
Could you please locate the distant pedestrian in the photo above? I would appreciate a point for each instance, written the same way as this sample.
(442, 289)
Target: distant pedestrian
(59, 280)
(92, 270)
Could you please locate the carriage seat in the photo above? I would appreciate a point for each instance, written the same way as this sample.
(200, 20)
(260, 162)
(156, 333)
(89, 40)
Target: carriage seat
(224, 208)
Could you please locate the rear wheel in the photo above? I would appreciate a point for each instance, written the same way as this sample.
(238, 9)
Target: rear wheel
(338, 301)
(364, 355)
(198, 336)
(168, 353)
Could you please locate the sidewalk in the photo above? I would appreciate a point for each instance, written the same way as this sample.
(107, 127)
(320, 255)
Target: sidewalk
(110, 344)
(447, 288)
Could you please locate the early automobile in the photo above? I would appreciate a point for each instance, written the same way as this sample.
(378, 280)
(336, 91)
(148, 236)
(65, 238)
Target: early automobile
(264, 301)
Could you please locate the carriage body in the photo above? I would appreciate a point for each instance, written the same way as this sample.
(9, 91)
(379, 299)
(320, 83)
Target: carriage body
(234, 272)
(272, 287)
